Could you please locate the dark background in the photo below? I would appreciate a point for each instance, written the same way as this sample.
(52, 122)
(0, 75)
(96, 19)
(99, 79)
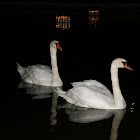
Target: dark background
(29, 27)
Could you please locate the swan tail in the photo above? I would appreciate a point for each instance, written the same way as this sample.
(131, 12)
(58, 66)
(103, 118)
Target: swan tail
(20, 69)
(60, 92)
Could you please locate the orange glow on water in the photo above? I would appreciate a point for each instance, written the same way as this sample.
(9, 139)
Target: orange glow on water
(63, 22)
(132, 108)
(93, 17)
(93, 12)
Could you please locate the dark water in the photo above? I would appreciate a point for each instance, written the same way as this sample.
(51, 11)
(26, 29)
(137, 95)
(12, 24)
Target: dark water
(35, 112)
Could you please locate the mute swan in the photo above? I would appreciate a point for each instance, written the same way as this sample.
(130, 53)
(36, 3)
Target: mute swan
(41, 74)
(93, 94)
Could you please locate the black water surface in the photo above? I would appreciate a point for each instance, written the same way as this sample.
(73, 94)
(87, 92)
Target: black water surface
(88, 50)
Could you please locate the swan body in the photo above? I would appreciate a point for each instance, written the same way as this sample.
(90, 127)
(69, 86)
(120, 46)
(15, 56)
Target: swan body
(93, 94)
(41, 74)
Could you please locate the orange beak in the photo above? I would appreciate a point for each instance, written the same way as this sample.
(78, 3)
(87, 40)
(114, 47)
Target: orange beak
(128, 67)
(59, 47)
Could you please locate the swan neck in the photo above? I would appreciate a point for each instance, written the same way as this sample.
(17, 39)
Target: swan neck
(56, 78)
(53, 53)
(115, 79)
(118, 98)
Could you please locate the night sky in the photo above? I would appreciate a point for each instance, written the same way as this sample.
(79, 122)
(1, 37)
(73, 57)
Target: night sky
(75, 1)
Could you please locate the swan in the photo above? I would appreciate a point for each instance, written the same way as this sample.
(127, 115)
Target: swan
(93, 94)
(41, 74)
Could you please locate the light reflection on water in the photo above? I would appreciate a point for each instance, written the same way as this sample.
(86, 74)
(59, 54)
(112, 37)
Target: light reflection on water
(93, 17)
(37, 91)
(45, 115)
(59, 109)
(93, 20)
(63, 22)
(82, 115)
(42, 92)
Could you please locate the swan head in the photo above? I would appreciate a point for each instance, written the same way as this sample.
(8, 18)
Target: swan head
(55, 44)
(120, 63)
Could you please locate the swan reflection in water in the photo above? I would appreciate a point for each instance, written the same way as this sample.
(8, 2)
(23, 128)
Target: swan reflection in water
(53, 119)
(85, 115)
(42, 92)
(38, 92)
(75, 113)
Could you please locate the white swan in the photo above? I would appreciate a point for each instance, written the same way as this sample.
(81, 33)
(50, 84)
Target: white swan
(41, 74)
(93, 94)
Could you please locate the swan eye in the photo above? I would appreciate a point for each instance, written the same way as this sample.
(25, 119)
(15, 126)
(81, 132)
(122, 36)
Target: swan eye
(124, 63)
(127, 66)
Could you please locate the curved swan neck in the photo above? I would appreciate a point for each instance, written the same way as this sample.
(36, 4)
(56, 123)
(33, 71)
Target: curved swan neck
(56, 78)
(118, 98)
(53, 53)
